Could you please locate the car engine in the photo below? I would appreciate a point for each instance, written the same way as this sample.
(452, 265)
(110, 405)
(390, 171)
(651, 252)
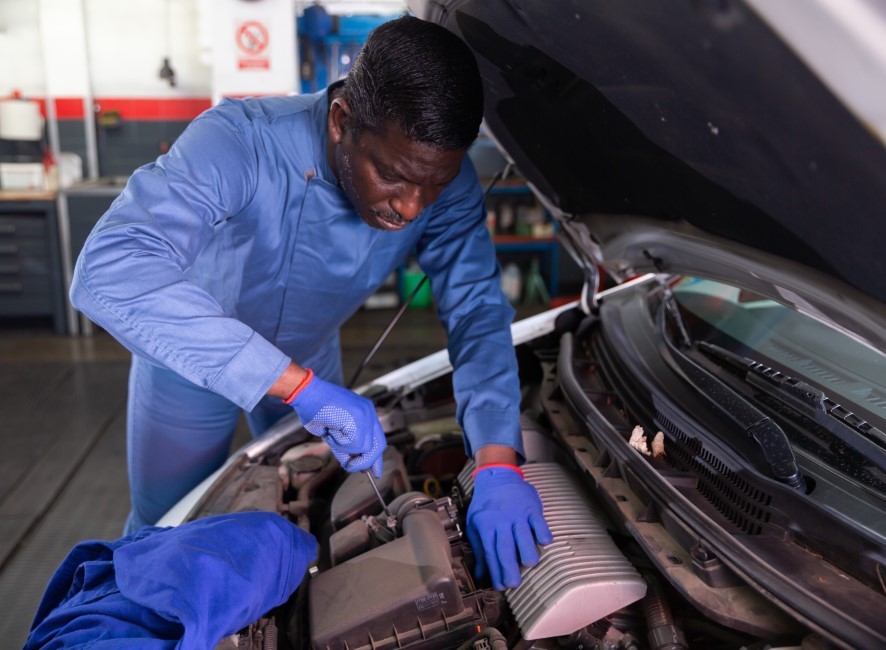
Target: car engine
(402, 575)
(405, 578)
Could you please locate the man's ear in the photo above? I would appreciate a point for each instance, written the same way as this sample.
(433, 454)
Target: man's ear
(339, 119)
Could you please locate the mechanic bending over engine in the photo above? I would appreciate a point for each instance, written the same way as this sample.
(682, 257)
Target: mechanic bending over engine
(228, 265)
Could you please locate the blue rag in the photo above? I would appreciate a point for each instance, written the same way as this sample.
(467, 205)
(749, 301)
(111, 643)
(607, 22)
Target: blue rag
(185, 587)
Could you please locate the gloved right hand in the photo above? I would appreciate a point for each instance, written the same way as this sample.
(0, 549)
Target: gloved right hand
(346, 421)
(505, 520)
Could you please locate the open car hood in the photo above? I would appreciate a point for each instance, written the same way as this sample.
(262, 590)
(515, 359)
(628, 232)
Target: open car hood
(678, 138)
(697, 118)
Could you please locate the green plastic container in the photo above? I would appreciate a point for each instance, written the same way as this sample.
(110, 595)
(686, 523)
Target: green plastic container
(423, 298)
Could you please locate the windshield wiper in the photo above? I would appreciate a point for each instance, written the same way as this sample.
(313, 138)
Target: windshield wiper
(806, 400)
(761, 431)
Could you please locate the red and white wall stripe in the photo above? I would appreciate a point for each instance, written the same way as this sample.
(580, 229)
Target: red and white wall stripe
(106, 55)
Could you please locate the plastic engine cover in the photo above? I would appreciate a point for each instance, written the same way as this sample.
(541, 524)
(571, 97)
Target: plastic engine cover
(393, 595)
(581, 576)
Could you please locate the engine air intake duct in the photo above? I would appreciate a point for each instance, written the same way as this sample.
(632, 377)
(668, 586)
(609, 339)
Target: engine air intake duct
(582, 576)
(404, 592)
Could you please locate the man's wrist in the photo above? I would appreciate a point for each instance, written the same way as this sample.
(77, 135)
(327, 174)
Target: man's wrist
(495, 455)
(301, 386)
(292, 377)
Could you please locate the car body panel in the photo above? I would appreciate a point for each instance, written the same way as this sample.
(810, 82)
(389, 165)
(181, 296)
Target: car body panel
(692, 112)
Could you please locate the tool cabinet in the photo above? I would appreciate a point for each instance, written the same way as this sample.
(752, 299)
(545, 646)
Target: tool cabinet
(30, 274)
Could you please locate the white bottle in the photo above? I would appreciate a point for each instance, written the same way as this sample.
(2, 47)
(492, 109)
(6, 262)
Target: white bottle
(512, 282)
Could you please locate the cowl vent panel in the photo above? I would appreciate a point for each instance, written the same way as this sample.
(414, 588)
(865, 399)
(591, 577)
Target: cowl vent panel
(744, 506)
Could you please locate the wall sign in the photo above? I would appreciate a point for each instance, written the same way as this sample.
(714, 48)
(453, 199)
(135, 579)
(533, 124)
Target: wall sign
(252, 46)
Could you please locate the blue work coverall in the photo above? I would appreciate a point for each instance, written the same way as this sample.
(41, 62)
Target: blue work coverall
(237, 252)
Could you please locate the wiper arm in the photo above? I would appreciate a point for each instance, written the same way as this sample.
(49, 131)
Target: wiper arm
(670, 303)
(807, 400)
(766, 436)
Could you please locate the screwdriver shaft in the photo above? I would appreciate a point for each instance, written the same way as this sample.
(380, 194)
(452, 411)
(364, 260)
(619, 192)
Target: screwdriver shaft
(378, 494)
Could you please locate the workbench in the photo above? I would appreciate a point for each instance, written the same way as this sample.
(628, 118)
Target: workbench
(31, 283)
(41, 235)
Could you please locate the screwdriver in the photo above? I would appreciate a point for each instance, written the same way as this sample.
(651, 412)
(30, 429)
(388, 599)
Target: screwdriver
(378, 494)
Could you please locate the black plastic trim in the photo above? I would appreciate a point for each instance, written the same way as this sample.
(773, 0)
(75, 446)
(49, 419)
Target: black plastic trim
(838, 625)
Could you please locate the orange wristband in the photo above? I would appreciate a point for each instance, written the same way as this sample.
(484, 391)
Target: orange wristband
(309, 375)
(506, 465)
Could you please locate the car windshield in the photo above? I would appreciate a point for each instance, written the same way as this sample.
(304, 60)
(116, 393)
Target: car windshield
(847, 372)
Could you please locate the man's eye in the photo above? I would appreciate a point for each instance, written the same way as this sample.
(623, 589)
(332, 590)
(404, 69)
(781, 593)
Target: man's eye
(386, 177)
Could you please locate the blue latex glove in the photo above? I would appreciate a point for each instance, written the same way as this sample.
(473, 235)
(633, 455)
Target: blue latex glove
(505, 518)
(345, 421)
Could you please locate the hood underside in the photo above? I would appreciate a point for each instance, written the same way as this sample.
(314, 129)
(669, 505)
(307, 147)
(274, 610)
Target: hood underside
(694, 112)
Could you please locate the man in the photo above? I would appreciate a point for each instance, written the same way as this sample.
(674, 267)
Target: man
(228, 265)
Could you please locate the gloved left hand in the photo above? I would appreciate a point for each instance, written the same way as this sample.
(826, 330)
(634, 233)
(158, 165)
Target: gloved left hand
(346, 421)
(505, 518)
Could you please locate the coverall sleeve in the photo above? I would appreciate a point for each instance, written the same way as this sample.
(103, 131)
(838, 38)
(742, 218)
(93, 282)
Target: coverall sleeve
(130, 279)
(457, 253)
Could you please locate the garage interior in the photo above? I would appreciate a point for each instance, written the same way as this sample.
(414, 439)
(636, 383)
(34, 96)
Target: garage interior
(684, 203)
(63, 381)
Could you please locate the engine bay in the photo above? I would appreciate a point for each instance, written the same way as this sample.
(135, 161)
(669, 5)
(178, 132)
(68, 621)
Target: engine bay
(620, 573)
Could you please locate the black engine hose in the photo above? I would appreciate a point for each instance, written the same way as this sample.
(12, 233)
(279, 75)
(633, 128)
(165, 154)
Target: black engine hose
(490, 638)
(664, 634)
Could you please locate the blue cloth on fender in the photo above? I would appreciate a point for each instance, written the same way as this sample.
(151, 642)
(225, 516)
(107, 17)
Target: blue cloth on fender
(185, 587)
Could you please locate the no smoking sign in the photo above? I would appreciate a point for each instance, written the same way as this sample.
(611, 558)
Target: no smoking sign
(252, 41)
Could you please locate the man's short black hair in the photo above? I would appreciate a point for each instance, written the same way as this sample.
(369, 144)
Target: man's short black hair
(419, 76)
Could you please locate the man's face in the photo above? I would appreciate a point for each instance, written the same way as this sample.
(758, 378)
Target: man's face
(390, 179)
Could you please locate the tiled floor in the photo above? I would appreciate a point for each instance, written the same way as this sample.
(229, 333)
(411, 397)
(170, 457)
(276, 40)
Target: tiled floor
(62, 443)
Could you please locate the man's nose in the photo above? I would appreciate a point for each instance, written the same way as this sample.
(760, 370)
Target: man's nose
(409, 203)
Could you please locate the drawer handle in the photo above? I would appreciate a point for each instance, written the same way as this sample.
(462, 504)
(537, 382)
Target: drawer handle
(8, 249)
(11, 287)
(7, 229)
